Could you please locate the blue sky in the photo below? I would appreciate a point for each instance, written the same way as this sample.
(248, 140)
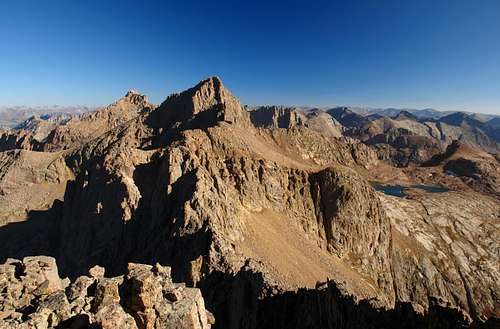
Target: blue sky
(440, 54)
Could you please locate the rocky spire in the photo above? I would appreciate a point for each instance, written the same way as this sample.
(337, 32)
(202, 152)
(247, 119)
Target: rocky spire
(136, 98)
(204, 105)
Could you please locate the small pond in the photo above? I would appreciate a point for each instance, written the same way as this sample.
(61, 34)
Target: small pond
(399, 190)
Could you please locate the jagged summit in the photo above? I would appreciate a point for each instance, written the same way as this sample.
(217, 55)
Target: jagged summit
(276, 117)
(136, 98)
(204, 105)
(132, 92)
(290, 117)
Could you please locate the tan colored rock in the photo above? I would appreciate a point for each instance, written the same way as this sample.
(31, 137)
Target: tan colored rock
(97, 272)
(79, 287)
(106, 292)
(41, 274)
(57, 303)
(283, 117)
(14, 140)
(98, 302)
(144, 291)
(113, 316)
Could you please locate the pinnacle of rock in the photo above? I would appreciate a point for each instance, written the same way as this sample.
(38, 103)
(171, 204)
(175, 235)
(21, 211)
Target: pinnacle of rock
(204, 105)
(132, 92)
(135, 97)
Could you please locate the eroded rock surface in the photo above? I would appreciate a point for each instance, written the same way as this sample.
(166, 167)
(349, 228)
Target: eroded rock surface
(285, 117)
(34, 296)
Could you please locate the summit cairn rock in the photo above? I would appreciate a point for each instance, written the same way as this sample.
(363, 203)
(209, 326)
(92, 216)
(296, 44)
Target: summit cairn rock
(97, 272)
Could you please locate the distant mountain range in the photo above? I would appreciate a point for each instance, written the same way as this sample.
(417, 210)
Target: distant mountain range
(405, 137)
(11, 116)
(399, 136)
(420, 114)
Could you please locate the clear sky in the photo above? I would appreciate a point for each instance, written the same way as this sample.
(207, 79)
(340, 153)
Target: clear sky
(401, 53)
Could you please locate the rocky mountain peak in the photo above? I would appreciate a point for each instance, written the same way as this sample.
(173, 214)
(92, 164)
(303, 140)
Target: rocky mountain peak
(291, 117)
(203, 105)
(405, 115)
(346, 116)
(135, 98)
(460, 118)
(132, 92)
(341, 110)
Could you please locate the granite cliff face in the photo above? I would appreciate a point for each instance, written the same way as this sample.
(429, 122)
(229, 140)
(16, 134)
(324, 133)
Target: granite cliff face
(248, 214)
(441, 245)
(285, 117)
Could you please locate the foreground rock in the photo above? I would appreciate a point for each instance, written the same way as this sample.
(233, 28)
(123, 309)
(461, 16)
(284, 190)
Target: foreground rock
(33, 296)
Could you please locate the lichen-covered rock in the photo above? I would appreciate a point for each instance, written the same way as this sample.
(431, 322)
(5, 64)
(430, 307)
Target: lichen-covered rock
(113, 316)
(140, 299)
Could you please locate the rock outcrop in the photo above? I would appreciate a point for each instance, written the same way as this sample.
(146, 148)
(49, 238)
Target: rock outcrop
(21, 140)
(30, 182)
(202, 106)
(34, 296)
(444, 248)
(286, 117)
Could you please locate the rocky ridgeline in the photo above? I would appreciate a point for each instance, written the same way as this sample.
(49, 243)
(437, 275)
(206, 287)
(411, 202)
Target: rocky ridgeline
(32, 295)
(12, 140)
(404, 139)
(287, 117)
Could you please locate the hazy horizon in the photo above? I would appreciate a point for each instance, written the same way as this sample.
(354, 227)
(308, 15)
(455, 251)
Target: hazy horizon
(402, 108)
